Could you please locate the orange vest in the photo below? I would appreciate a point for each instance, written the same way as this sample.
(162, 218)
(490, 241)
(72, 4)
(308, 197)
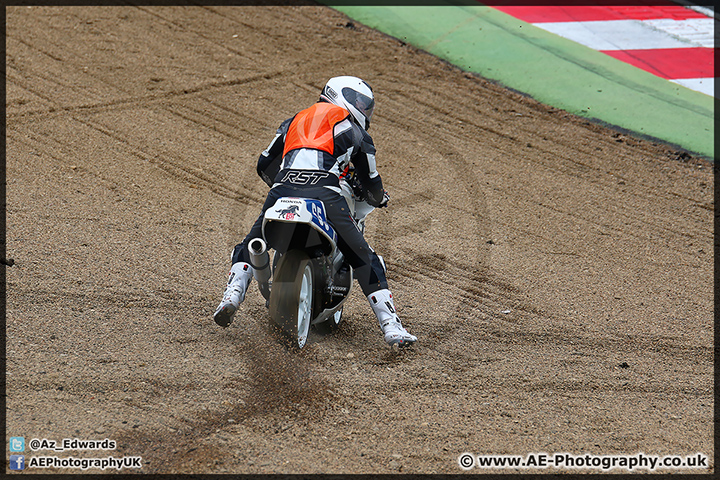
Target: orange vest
(313, 128)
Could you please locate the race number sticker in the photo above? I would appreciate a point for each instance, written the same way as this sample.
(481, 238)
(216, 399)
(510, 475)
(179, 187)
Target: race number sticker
(317, 209)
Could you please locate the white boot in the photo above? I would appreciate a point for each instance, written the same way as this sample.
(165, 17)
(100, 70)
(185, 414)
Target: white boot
(240, 276)
(384, 308)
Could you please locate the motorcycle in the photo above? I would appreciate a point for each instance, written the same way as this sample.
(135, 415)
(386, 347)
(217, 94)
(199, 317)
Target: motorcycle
(309, 279)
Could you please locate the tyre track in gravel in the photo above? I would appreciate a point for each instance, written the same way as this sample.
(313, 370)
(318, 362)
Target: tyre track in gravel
(172, 164)
(141, 101)
(551, 153)
(483, 291)
(463, 272)
(563, 164)
(134, 347)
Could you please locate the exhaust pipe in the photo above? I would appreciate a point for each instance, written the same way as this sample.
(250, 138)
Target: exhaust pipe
(260, 261)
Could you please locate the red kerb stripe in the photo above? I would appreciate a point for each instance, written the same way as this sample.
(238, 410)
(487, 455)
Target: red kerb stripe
(567, 11)
(670, 63)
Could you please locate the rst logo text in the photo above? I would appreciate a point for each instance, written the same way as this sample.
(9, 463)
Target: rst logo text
(300, 177)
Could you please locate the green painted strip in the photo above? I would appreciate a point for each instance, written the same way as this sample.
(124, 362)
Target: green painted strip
(551, 69)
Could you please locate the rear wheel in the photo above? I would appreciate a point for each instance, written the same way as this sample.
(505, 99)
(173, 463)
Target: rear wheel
(291, 298)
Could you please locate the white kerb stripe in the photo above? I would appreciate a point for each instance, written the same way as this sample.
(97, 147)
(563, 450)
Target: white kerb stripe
(629, 34)
(699, 32)
(702, 85)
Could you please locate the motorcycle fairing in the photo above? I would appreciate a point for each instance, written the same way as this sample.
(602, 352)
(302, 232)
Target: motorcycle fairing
(298, 223)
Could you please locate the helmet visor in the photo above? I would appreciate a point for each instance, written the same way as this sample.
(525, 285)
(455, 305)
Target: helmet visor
(363, 103)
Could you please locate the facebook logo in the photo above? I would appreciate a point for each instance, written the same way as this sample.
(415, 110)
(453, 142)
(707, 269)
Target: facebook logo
(17, 462)
(17, 444)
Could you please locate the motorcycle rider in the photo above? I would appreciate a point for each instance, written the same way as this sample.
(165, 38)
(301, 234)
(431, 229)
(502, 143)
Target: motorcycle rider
(311, 151)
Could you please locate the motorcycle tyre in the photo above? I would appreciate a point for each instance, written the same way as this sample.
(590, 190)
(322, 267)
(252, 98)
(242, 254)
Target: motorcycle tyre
(291, 302)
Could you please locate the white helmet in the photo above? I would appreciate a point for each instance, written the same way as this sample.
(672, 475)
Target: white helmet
(352, 94)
